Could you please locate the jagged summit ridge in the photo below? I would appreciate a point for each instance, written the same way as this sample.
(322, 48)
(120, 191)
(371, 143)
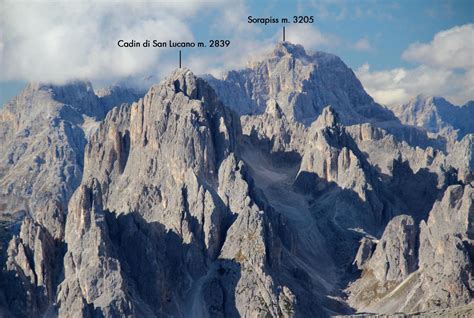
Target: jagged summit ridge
(298, 51)
(302, 84)
(328, 118)
(79, 87)
(79, 95)
(437, 116)
(170, 160)
(288, 49)
(172, 205)
(185, 81)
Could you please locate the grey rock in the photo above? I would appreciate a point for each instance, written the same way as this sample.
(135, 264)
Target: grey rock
(437, 115)
(443, 277)
(395, 256)
(393, 260)
(446, 243)
(30, 259)
(115, 95)
(94, 282)
(273, 131)
(168, 204)
(43, 133)
(331, 158)
(364, 252)
(302, 84)
(461, 156)
(194, 197)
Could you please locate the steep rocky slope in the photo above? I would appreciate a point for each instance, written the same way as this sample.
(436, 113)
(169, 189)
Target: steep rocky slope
(302, 84)
(414, 272)
(281, 190)
(201, 227)
(43, 132)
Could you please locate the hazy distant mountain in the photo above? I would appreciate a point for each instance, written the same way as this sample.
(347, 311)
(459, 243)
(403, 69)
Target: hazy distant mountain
(437, 115)
(281, 190)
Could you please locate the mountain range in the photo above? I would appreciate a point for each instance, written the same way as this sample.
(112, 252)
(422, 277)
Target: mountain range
(437, 116)
(279, 190)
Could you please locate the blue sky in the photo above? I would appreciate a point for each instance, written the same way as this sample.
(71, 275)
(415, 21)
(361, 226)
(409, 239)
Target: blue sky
(390, 27)
(60, 41)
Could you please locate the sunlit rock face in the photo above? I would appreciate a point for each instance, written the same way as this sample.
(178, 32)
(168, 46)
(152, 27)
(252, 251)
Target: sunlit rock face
(281, 190)
(302, 84)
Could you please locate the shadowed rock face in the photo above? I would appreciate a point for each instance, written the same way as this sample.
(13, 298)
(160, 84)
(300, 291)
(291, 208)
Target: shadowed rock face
(43, 133)
(316, 201)
(171, 159)
(446, 246)
(396, 278)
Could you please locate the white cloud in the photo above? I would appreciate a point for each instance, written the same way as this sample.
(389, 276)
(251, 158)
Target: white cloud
(398, 85)
(218, 64)
(453, 48)
(445, 68)
(310, 37)
(57, 41)
(363, 44)
(61, 40)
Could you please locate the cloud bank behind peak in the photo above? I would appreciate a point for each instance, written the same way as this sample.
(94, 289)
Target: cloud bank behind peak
(442, 67)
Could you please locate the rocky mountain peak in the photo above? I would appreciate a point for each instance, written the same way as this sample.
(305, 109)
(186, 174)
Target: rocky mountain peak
(72, 93)
(169, 205)
(298, 52)
(274, 109)
(287, 48)
(427, 100)
(328, 118)
(437, 115)
(184, 81)
(302, 83)
(179, 122)
(69, 88)
(73, 98)
(79, 94)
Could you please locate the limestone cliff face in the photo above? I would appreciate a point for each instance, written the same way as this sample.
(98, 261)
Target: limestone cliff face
(31, 256)
(164, 152)
(42, 144)
(42, 141)
(273, 131)
(332, 160)
(461, 156)
(446, 245)
(403, 274)
(281, 190)
(302, 84)
(95, 282)
(43, 134)
(395, 254)
(171, 160)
